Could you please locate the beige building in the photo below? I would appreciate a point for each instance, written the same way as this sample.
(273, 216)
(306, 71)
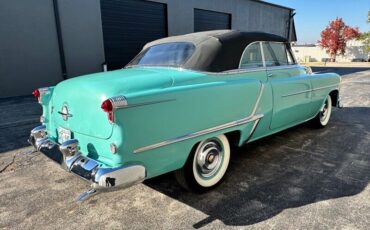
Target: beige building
(314, 53)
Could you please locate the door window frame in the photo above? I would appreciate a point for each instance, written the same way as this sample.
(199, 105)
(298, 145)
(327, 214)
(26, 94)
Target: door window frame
(261, 52)
(288, 52)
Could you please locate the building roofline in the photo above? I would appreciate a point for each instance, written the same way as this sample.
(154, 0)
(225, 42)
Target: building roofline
(272, 4)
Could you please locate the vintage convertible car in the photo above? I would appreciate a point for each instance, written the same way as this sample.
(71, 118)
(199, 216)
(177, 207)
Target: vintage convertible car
(178, 106)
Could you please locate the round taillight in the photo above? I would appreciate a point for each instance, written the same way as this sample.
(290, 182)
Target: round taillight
(107, 106)
(36, 93)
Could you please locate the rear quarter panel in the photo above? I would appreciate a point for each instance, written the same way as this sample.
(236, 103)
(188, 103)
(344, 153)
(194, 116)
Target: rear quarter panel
(322, 85)
(157, 116)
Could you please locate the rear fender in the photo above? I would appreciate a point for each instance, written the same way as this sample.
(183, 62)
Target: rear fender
(158, 116)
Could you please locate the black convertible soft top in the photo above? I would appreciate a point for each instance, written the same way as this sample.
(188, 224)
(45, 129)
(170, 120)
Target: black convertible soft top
(217, 50)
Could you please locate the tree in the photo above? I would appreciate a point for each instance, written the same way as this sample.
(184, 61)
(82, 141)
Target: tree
(335, 36)
(365, 37)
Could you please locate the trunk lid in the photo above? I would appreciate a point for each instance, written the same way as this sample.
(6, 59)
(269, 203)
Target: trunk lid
(81, 97)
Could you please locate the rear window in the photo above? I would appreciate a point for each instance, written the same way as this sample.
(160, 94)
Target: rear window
(167, 54)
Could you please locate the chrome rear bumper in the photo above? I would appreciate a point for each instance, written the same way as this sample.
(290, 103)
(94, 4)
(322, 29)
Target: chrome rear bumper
(67, 155)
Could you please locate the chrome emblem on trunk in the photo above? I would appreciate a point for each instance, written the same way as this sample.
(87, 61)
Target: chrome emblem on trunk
(65, 114)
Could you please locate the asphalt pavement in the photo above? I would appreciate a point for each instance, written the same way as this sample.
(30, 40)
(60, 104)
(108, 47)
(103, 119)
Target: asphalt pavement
(301, 178)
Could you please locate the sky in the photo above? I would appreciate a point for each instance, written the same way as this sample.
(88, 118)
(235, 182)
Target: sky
(312, 16)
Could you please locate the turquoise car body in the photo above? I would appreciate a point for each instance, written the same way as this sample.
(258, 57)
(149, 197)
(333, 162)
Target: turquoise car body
(168, 110)
(169, 103)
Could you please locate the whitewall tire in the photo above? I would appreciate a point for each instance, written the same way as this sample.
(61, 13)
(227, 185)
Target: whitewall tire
(323, 117)
(206, 165)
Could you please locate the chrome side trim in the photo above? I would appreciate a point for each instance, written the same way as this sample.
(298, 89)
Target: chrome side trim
(256, 122)
(251, 70)
(256, 104)
(325, 87)
(296, 93)
(254, 127)
(200, 133)
(250, 118)
(118, 102)
(283, 67)
(149, 103)
(309, 90)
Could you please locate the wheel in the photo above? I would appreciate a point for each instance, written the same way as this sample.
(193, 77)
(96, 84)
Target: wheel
(322, 118)
(206, 165)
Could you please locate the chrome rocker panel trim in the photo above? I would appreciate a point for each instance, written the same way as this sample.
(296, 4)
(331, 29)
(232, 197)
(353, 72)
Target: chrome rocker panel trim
(85, 168)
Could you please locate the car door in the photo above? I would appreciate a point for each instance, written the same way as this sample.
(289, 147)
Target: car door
(252, 66)
(291, 88)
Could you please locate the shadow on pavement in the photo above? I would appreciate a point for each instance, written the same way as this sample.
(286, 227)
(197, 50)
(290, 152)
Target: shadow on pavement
(18, 116)
(293, 168)
(338, 70)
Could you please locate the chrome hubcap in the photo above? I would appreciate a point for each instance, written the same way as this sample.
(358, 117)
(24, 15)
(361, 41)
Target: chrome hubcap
(324, 111)
(209, 158)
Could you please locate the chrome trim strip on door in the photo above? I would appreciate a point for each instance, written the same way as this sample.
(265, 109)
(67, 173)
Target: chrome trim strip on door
(325, 87)
(296, 93)
(309, 90)
(233, 71)
(250, 118)
(262, 87)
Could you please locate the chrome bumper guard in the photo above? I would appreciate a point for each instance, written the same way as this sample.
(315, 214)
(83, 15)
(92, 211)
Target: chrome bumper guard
(67, 155)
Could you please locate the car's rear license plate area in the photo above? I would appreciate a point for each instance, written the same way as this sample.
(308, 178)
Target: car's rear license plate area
(64, 135)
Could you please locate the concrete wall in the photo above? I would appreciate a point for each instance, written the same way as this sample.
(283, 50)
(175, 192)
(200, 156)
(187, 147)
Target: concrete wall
(29, 56)
(247, 15)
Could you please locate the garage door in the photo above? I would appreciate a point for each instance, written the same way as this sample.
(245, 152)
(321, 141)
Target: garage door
(128, 25)
(211, 20)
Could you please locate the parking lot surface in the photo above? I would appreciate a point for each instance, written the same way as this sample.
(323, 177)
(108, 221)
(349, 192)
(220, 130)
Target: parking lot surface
(302, 178)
